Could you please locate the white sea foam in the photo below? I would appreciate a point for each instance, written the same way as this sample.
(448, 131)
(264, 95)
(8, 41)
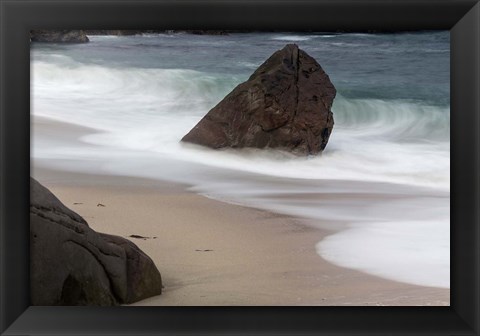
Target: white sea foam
(395, 250)
(151, 109)
(299, 38)
(292, 38)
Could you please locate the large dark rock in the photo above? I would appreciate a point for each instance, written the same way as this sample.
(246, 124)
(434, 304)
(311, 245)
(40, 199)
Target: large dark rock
(71, 264)
(58, 36)
(285, 104)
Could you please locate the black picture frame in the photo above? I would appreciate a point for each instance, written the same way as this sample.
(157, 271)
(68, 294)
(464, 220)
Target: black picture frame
(18, 17)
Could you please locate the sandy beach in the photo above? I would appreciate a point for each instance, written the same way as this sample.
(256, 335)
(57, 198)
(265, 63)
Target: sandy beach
(214, 253)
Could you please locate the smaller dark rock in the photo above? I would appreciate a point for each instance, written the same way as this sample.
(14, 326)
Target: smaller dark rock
(139, 237)
(71, 264)
(58, 36)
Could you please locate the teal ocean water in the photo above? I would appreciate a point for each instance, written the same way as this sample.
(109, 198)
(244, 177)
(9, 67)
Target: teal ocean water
(385, 174)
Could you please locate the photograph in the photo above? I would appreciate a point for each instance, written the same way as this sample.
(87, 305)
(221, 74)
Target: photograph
(240, 168)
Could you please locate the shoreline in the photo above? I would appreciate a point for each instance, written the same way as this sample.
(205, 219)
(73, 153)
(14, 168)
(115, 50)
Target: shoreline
(215, 253)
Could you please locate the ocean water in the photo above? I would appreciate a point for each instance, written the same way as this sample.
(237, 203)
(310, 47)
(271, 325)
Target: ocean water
(382, 184)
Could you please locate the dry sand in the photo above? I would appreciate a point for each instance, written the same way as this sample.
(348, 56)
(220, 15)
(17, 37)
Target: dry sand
(213, 253)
